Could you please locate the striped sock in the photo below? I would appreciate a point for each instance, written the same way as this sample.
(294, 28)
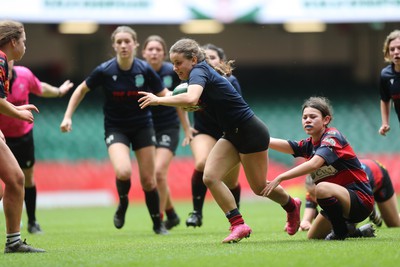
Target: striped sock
(13, 238)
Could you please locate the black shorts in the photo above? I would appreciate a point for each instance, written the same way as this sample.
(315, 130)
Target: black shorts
(168, 138)
(386, 191)
(137, 138)
(23, 149)
(251, 137)
(358, 211)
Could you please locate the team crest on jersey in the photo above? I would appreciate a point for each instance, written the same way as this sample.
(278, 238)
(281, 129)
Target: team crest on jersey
(391, 81)
(167, 80)
(114, 77)
(331, 132)
(323, 172)
(139, 80)
(330, 141)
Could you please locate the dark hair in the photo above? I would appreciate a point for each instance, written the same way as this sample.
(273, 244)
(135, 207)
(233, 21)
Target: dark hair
(156, 38)
(320, 103)
(219, 50)
(10, 30)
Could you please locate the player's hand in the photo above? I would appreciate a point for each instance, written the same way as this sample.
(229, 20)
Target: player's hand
(148, 99)
(66, 125)
(65, 87)
(384, 129)
(271, 185)
(29, 107)
(305, 226)
(25, 112)
(189, 135)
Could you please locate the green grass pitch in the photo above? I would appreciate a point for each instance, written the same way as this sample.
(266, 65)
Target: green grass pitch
(87, 237)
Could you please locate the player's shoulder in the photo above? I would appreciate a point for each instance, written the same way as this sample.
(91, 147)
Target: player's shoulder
(387, 71)
(22, 71)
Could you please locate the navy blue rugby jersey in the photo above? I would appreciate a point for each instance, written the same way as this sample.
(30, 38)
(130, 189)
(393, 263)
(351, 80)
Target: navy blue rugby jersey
(121, 108)
(164, 116)
(341, 167)
(219, 98)
(390, 87)
(204, 123)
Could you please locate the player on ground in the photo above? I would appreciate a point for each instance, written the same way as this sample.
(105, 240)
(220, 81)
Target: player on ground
(243, 137)
(384, 195)
(342, 188)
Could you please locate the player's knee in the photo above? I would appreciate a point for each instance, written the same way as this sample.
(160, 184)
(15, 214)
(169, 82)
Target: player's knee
(123, 173)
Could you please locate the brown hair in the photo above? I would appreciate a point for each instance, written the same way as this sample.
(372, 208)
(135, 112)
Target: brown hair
(190, 48)
(320, 103)
(393, 35)
(159, 39)
(10, 30)
(124, 29)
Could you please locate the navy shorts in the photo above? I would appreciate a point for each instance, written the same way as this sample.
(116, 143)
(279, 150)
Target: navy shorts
(251, 137)
(358, 211)
(386, 190)
(168, 138)
(23, 149)
(135, 138)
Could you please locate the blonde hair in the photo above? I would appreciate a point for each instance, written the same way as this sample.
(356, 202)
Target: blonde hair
(10, 30)
(393, 35)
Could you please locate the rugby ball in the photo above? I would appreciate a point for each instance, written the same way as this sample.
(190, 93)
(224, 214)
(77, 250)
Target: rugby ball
(180, 89)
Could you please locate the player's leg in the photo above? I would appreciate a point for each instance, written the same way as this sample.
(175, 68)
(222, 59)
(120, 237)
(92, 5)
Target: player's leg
(232, 182)
(146, 163)
(13, 198)
(320, 228)
(121, 162)
(164, 157)
(201, 146)
(30, 201)
(335, 201)
(390, 212)
(221, 160)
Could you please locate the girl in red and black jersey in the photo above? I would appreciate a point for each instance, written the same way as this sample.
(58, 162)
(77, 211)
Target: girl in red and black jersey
(12, 47)
(342, 188)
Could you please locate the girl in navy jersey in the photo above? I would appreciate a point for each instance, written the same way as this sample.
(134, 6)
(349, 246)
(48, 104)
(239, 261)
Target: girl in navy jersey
(245, 137)
(126, 124)
(205, 134)
(342, 188)
(12, 47)
(166, 124)
(390, 80)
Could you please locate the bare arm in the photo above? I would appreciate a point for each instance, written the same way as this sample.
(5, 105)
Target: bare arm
(385, 112)
(23, 112)
(305, 168)
(190, 98)
(49, 90)
(74, 101)
(280, 145)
